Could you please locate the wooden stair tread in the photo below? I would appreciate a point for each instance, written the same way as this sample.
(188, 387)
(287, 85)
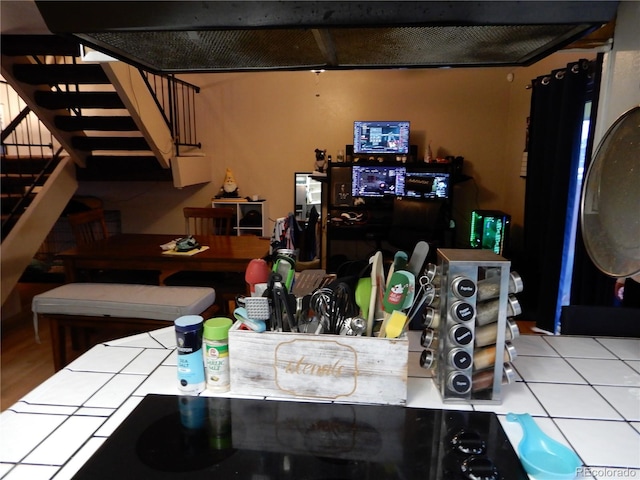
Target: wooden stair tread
(62, 100)
(110, 143)
(53, 74)
(15, 45)
(101, 123)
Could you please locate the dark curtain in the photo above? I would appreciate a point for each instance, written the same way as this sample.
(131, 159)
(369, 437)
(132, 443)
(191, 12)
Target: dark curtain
(557, 112)
(590, 287)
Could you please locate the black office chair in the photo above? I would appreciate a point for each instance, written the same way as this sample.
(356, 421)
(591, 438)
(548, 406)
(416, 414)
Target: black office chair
(418, 220)
(594, 320)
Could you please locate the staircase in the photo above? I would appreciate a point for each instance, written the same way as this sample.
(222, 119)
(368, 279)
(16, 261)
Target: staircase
(84, 110)
(108, 120)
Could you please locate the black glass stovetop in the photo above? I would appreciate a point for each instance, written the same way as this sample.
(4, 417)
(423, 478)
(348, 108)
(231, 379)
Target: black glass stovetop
(174, 437)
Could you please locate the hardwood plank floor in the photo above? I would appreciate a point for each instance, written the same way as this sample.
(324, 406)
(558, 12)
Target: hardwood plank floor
(25, 363)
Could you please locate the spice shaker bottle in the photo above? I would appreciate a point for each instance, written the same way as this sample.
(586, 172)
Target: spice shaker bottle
(489, 287)
(216, 353)
(188, 329)
(488, 334)
(486, 357)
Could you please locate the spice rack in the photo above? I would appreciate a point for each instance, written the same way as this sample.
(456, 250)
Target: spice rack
(476, 301)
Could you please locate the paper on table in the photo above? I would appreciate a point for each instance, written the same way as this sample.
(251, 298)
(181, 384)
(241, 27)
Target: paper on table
(188, 254)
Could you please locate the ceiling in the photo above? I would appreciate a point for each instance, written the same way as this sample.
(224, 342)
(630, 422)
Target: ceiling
(212, 36)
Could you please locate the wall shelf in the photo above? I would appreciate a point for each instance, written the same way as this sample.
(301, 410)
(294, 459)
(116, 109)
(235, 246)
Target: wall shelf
(244, 224)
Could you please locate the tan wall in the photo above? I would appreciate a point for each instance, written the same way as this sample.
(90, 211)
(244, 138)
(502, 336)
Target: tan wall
(265, 126)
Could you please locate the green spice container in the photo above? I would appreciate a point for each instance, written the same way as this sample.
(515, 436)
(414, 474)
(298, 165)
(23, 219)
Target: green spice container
(216, 353)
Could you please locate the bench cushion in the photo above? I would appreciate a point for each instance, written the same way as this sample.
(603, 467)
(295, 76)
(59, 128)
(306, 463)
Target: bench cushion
(124, 300)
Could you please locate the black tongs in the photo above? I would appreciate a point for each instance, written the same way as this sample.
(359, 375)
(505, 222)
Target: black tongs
(283, 303)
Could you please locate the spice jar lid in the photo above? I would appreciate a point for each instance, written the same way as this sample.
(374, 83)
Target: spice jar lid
(510, 350)
(515, 282)
(426, 358)
(508, 374)
(217, 328)
(514, 306)
(430, 272)
(512, 328)
(426, 339)
(427, 316)
(187, 323)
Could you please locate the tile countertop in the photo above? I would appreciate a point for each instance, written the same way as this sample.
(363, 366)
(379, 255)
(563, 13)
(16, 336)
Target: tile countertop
(584, 392)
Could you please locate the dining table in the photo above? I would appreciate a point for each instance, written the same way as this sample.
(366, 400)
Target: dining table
(143, 251)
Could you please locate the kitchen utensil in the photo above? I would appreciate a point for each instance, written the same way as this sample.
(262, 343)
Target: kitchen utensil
(543, 457)
(418, 257)
(400, 260)
(395, 325)
(257, 272)
(423, 297)
(377, 291)
(285, 266)
(396, 292)
(353, 326)
(395, 297)
(257, 308)
(610, 199)
(411, 292)
(363, 295)
(241, 315)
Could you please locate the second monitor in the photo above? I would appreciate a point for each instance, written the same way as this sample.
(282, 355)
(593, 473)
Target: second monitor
(377, 181)
(427, 185)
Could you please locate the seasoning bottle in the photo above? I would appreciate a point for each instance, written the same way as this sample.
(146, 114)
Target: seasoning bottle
(490, 287)
(427, 358)
(216, 353)
(430, 318)
(487, 312)
(188, 329)
(488, 334)
(428, 337)
(483, 380)
(486, 357)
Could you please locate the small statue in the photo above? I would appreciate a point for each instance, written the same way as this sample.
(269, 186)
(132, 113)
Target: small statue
(229, 187)
(320, 161)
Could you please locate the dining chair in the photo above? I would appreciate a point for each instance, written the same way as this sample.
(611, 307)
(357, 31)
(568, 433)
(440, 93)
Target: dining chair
(89, 226)
(208, 220)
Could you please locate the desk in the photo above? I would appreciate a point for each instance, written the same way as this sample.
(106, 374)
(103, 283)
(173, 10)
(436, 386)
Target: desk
(133, 251)
(582, 391)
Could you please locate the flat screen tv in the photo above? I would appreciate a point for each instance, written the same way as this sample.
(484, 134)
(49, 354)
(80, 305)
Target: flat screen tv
(377, 180)
(381, 137)
(490, 230)
(425, 185)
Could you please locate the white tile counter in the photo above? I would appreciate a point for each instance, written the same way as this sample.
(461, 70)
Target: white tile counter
(584, 392)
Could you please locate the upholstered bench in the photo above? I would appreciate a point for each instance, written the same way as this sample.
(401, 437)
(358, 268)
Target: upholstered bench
(128, 308)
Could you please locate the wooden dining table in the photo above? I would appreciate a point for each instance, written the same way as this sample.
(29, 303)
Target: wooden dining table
(136, 251)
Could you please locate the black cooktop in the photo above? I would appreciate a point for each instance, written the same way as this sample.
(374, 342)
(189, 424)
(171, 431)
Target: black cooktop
(171, 437)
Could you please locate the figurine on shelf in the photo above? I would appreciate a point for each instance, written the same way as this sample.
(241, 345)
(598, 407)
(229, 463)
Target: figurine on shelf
(229, 187)
(320, 161)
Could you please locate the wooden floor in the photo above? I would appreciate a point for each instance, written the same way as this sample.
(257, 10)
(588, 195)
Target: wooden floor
(25, 363)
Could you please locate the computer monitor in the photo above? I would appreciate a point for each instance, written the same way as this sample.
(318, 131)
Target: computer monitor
(381, 137)
(377, 180)
(490, 230)
(427, 185)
